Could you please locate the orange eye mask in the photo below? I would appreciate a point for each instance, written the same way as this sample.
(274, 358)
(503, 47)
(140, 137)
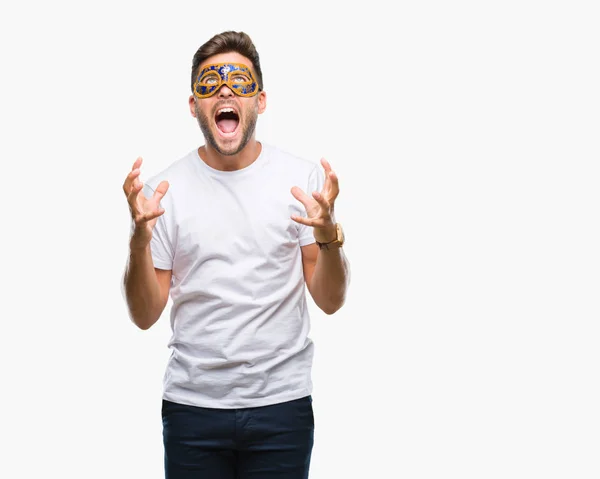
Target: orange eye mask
(236, 76)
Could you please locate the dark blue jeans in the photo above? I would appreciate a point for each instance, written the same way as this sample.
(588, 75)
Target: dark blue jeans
(268, 442)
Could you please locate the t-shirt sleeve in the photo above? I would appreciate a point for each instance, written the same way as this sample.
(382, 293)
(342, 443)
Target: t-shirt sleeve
(161, 245)
(316, 180)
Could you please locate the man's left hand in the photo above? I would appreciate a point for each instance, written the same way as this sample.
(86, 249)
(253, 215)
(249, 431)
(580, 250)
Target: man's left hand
(320, 209)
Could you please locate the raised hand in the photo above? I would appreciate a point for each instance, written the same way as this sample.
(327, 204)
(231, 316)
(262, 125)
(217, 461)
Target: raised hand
(319, 208)
(144, 211)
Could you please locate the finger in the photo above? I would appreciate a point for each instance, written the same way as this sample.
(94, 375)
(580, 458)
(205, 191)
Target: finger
(136, 166)
(302, 220)
(301, 196)
(130, 179)
(141, 218)
(137, 163)
(334, 186)
(323, 202)
(161, 190)
(133, 195)
(327, 168)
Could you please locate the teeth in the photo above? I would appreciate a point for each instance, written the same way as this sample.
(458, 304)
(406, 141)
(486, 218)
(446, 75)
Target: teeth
(226, 110)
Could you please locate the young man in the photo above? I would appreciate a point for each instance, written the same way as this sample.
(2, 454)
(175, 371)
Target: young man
(233, 231)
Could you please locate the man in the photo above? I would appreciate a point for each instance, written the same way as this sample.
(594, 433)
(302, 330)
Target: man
(233, 231)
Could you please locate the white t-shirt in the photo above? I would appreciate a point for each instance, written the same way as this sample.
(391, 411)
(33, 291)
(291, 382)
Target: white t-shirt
(239, 316)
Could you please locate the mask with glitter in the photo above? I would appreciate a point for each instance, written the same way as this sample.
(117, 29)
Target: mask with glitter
(236, 76)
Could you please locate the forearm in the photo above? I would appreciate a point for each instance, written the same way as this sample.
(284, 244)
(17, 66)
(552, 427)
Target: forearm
(330, 280)
(142, 289)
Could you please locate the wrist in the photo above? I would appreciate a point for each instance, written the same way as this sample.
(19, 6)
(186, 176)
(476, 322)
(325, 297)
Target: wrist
(336, 242)
(139, 242)
(325, 234)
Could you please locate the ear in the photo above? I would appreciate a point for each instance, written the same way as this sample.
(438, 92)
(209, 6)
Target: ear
(192, 102)
(262, 102)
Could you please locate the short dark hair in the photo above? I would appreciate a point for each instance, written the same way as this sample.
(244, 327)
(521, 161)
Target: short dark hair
(226, 42)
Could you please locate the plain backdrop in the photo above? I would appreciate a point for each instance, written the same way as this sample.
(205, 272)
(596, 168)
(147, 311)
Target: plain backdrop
(465, 138)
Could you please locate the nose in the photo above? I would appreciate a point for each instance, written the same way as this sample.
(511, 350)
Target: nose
(225, 92)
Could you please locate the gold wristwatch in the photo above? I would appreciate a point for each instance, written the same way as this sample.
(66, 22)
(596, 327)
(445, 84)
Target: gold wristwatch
(337, 242)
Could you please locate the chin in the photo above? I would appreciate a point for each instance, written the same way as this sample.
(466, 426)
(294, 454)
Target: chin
(227, 143)
(228, 148)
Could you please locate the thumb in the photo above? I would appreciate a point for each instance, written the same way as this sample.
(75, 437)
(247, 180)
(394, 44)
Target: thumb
(160, 191)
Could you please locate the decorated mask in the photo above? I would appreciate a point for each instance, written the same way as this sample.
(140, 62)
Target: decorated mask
(236, 76)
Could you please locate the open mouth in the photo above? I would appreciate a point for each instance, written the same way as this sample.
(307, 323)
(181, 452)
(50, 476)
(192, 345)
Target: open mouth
(227, 120)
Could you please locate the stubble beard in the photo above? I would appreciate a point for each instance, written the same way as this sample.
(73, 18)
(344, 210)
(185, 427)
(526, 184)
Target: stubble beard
(228, 148)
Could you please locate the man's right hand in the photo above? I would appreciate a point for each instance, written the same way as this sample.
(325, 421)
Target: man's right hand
(144, 211)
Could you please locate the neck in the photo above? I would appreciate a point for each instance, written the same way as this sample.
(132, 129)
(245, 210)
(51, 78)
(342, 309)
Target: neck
(244, 158)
